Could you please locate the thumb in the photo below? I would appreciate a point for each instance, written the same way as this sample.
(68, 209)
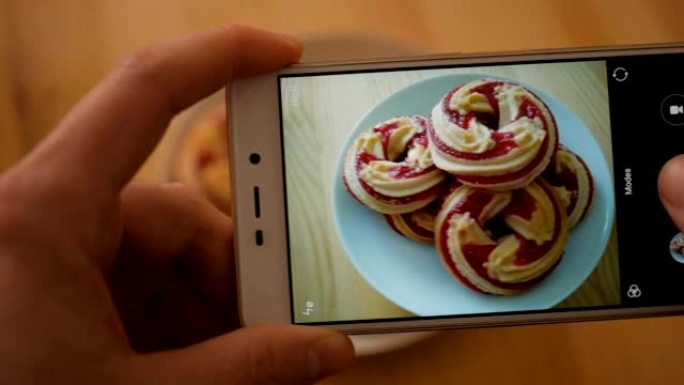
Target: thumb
(251, 356)
(671, 189)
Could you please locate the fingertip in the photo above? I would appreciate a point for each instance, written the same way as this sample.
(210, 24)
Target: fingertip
(295, 46)
(296, 354)
(671, 189)
(671, 182)
(292, 42)
(257, 51)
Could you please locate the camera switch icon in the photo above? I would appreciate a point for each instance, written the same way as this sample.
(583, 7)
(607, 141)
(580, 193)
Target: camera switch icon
(620, 74)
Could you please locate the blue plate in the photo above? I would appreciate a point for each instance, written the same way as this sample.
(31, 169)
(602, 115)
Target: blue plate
(411, 274)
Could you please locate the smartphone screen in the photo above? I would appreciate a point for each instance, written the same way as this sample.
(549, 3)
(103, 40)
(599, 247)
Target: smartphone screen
(373, 237)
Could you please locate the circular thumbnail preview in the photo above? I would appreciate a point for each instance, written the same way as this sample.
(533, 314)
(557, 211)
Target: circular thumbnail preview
(677, 247)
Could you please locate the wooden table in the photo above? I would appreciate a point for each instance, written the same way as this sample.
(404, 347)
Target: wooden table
(52, 52)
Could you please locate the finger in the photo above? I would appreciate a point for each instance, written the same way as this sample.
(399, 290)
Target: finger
(161, 310)
(671, 189)
(174, 224)
(252, 356)
(106, 137)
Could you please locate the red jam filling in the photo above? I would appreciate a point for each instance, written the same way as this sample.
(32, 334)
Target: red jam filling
(398, 171)
(476, 256)
(366, 157)
(385, 132)
(568, 179)
(591, 188)
(504, 142)
(522, 205)
(406, 172)
(490, 120)
(391, 221)
(474, 204)
(520, 174)
(428, 194)
(411, 223)
(418, 229)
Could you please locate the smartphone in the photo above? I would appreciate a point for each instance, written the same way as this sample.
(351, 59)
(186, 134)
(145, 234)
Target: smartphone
(458, 191)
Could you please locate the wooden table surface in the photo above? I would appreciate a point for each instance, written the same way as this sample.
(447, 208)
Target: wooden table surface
(51, 52)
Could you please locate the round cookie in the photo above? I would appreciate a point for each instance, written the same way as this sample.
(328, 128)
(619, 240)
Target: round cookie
(389, 168)
(501, 242)
(492, 134)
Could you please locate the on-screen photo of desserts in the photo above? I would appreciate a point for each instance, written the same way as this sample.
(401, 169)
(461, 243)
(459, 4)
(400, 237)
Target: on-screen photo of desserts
(450, 192)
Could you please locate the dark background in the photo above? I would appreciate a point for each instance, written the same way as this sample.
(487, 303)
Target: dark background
(643, 142)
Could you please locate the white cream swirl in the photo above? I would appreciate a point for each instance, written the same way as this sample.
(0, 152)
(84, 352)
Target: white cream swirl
(527, 133)
(547, 223)
(540, 229)
(390, 177)
(418, 225)
(378, 175)
(568, 162)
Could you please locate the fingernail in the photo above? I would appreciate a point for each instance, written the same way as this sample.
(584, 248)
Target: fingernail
(330, 355)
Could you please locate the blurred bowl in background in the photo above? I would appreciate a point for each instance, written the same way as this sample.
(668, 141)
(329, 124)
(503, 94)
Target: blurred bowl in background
(200, 157)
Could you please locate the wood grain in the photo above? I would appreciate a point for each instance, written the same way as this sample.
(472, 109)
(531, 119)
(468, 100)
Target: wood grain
(51, 52)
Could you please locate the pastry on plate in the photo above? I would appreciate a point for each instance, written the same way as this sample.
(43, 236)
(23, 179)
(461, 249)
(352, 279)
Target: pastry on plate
(492, 134)
(501, 242)
(417, 225)
(573, 183)
(389, 167)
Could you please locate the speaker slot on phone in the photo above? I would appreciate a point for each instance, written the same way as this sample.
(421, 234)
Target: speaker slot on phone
(257, 202)
(259, 237)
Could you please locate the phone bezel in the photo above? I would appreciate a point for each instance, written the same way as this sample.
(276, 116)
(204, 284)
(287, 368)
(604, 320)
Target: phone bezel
(264, 290)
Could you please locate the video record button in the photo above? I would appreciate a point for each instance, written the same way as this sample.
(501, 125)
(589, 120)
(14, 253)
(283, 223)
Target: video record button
(672, 110)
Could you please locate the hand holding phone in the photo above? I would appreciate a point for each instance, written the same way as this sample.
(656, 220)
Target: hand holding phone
(105, 281)
(455, 191)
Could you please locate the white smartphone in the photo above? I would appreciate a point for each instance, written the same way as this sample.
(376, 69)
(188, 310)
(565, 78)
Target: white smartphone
(458, 191)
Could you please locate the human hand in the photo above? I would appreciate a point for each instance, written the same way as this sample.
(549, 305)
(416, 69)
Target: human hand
(93, 270)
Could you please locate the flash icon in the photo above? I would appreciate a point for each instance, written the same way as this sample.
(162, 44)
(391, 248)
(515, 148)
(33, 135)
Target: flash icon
(310, 305)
